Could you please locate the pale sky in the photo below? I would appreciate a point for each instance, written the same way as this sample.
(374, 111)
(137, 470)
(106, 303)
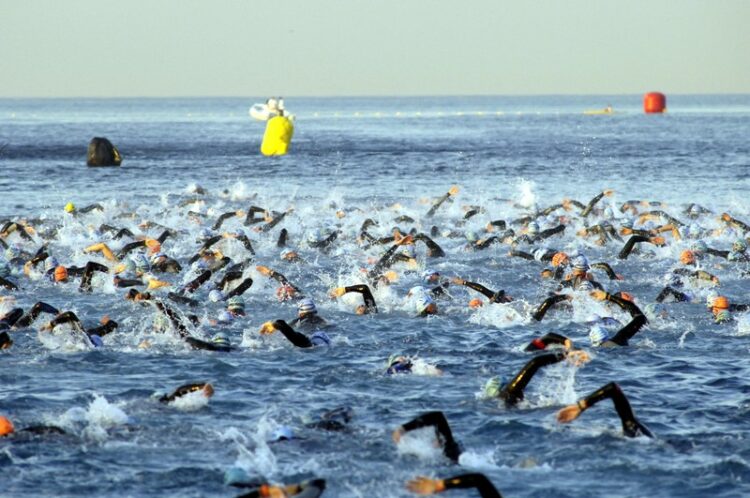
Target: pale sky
(108, 48)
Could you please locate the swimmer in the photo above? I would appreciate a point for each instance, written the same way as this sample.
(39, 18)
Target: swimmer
(307, 315)
(7, 429)
(512, 392)
(422, 485)
(494, 297)
(369, 305)
(306, 489)
(631, 427)
(300, 340)
(206, 388)
(451, 449)
(94, 334)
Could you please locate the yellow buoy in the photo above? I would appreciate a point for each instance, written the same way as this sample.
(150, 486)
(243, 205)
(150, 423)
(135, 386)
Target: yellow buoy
(277, 137)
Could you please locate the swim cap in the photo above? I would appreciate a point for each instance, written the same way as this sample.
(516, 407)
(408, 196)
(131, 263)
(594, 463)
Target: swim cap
(154, 246)
(476, 303)
(687, 257)
(306, 306)
(423, 302)
(559, 258)
(409, 251)
(540, 253)
(532, 228)
(141, 262)
(155, 258)
(220, 339)
(236, 304)
(471, 236)
(215, 296)
(493, 387)
(627, 223)
(50, 263)
(285, 292)
(721, 303)
(581, 263)
(314, 236)
(6, 426)
(96, 341)
(428, 275)
(740, 245)
(282, 433)
(722, 316)
(286, 253)
(597, 335)
(61, 274)
(398, 364)
(584, 285)
(698, 247)
(205, 234)
(320, 338)
(70, 207)
(710, 297)
(239, 233)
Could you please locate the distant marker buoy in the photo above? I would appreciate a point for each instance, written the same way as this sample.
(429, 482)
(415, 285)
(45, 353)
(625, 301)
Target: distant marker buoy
(654, 102)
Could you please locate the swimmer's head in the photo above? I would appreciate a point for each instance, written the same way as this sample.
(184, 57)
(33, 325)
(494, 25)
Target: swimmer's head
(710, 298)
(236, 305)
(687, 257)
(721, 303)
(471, 236)
(430, 276)
(306, 307)
(61, 274)
(476, 303)
(6, 426)
(220, 339)
(580, 265)
(285, 293)
(739, 245)
(698, 247)
(426, 306)
(282, 433)
(532, 229)
(493, 387)
(215, 296)
(598, 335)
(70, 207)
(289, 255)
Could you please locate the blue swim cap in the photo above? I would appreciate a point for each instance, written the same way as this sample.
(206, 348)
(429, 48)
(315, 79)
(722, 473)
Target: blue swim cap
(429, 273)
(235, 475)
(225, 317)
(215, 296)
(320, 338)
(96, 341)
(598, 335)
(282, 433)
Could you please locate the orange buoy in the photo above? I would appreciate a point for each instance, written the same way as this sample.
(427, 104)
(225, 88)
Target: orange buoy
(654, 102)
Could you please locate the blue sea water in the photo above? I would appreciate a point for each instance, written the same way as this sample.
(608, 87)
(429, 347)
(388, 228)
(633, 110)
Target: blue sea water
(686, 378)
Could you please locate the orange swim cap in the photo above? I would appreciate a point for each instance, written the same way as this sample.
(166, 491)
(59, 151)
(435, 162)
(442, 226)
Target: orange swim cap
(153, 246)
(721, 303)
(6, 426)
(687, 257)
(559, 258)
(476, 303)
(61, 274)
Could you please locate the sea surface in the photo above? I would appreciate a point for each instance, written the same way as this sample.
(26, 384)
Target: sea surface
(687, 378)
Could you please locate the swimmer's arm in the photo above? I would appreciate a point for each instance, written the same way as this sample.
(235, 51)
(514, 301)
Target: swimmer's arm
(587, 210)
(547, 304)
(515, 387)
(62, 318)
(427, 486)
(550, 232)
(107, 327)
(88, 273)
(607, 269)
(549, 210)
(441, 200)
(670, 291)
(225, 216)
(718, 253)
(130, 247)
(541, 343)
(630, 424)
(366, 295)
(484, 244)
(477, 287)
(626, 333)
(240, 289)
(521, 254)
(429, 419)
(433, 249)
(296, 338)
(270, 225)
(34, 312)
(198, 281)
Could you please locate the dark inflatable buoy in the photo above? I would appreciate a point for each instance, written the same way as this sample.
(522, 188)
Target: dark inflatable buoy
(654, 102)
(102, 153)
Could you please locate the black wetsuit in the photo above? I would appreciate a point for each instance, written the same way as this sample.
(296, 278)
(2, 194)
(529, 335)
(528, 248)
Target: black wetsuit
(370, 306)
(631, 427)
(451, 448)
(307, 489)
(181, 391)
(512, 392)
(494, 297)
(479, 481)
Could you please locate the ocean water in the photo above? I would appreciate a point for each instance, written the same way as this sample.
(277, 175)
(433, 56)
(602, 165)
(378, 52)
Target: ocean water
(380, 158)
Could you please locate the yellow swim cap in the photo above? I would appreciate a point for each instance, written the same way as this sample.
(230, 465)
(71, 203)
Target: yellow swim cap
(70, 207)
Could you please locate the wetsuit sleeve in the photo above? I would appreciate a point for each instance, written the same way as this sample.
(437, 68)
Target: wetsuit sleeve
(181, 391)
(433, 249)
(437, 204)
(544, 234)
(174, 318)
(240, 289)
(130, 247)
(487, 242)
(88, 273)
(283, 280)
(670, 291)
(480, 288)
(541, 343)
(33, 313)
(66, 317)
(205, 345)
(440, 290)
(483, 485)
(547, 304)
(247, 244)
(630, 425)
(628, 247)
(283, 235)
(513, 392)
(222, 218)
(437, 419)
(739, 307)
(250, 219)
(11, 318)
(270, 225)
(182, 299)
(103, 330)
(198, 281)
(208, 243)
(590, 206)
(366, 295)
(228, 277)
(7, 284)
(607, 269)
(521, 254)
(626, 333)
(92, 207)
(718, 253)
(322, 244)
(296, 338)
(549, 210)
(383, 263)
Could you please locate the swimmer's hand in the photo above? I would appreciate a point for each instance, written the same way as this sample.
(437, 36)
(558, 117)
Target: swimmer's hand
(409, 239)
(577, 357)
(453, 190)
(267, 328)
(569, 413)
(458, 281)
(337, 292)
(425, 486)
(608, 192)
(658, 241)
(397, 435)
(263, 270)
(598, 294)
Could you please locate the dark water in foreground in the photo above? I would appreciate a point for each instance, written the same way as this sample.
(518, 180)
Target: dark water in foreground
(686, 378)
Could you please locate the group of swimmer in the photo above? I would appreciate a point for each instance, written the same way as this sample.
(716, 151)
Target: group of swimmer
(140, 258)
